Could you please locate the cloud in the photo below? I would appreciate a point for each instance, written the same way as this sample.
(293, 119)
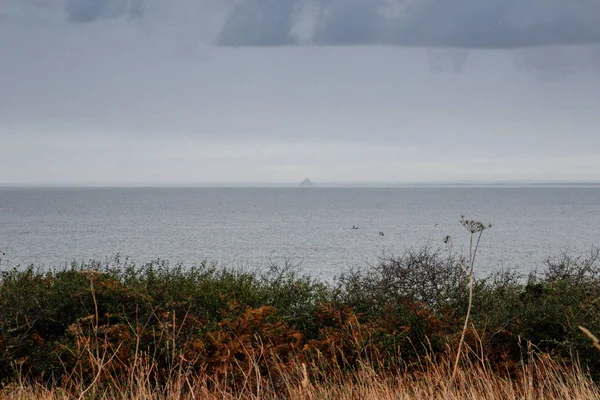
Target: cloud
(349, 22)
(480, 24)
(80, 11)
(75, 71)
(258, 22)
(434, 23)
(448, 60)
(552, 63)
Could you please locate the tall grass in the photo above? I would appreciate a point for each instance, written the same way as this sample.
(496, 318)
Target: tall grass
(543, 378)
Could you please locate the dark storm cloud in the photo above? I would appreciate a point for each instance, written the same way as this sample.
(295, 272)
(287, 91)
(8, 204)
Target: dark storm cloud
(258, 22)
(494, 23)
(334, 28)
(80, 11)
(435, 23)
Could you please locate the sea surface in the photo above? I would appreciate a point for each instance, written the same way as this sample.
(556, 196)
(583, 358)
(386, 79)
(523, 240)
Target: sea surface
(252, 227)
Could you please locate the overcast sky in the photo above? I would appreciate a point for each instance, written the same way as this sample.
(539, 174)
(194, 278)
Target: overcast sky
(118, 91)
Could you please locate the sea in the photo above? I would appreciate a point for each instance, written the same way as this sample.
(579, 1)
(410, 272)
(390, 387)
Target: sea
(311, 228)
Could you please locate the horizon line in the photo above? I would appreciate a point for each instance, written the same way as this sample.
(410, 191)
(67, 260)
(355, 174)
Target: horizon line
(317, 184)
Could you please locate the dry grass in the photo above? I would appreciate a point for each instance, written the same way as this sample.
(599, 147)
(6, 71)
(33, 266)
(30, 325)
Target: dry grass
(542, 379)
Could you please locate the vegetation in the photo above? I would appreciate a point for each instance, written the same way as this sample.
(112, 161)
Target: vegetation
(121, 330)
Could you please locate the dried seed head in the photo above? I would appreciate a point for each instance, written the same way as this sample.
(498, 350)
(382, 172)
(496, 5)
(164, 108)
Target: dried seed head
(473, 226)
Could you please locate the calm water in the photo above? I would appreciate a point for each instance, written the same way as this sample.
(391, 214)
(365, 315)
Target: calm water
(247, 227)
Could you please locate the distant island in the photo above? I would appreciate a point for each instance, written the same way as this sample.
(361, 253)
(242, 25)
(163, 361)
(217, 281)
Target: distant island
(307, 183)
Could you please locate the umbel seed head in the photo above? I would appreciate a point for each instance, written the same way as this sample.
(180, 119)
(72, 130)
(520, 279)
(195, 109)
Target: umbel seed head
(473, 226)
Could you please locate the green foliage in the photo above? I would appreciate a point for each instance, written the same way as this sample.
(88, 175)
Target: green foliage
(403, 312)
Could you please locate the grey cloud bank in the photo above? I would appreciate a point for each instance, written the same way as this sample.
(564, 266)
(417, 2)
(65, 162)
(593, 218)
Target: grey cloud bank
(437, 23)
(232, 91)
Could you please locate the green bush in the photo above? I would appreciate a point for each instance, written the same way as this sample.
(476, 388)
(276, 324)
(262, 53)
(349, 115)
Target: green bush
(404, 312)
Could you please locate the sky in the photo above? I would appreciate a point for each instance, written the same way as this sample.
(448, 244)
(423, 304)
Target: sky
(273, 91)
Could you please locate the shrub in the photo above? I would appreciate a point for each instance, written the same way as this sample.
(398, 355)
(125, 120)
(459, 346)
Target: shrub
(405, 313)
